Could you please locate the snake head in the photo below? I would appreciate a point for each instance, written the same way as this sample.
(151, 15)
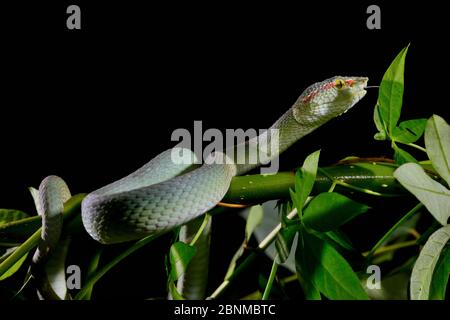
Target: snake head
(325, 100)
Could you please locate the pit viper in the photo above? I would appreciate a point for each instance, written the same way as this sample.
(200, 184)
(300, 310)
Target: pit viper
(164, 193)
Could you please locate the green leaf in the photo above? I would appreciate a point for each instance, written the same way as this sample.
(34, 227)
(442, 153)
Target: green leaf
(10, 215)
(233, 262)
(14, 268)
(437, 142)
(173, 291)
(304, 180)
(20, 229)
(283, 242)
(440, 276)
(390, 96)
(401, 156)
(295, 197)
(309, 290)
(409, 131)
(382, 133)
(92, 268)
(180, 256)
(390, 103)
(35, 195)
(309, 172)
(330, 210)
(339, 238)
(432, 194)
(254, 219)
(328, 271)
(422, 273)
(6, 253)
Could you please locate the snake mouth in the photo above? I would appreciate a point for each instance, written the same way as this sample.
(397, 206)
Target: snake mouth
(355, 92)
(359, 87)
(360, 83)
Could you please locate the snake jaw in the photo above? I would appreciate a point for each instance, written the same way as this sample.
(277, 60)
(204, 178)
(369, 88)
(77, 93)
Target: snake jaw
(354, 92)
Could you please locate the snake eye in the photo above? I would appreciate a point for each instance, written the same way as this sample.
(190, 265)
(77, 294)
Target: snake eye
(339, 83)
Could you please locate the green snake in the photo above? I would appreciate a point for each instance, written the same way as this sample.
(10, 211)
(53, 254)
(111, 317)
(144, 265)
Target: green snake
(164, 194)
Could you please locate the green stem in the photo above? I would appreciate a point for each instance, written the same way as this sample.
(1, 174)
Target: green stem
(333, 185)
(289, 279)
(241, 268)
(359, 189)
(406, 217)
(363, 176)
(257, 187)
(98, 274)
(394, 247)
(413, 145)
(93, 266)
(364, 190)
(9, 244)
(22, 250)
(273, 273)
(264, 244)
(70, 208)
(200, 229)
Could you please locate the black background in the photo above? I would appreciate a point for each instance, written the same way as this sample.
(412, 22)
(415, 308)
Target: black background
(92, 105)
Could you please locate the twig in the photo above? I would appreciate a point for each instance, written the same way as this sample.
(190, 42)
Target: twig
(273, 273)
(391, 231)
(264, 244)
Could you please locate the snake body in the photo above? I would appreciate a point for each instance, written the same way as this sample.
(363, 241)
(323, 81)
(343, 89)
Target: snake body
(164, 194)
(160, 196)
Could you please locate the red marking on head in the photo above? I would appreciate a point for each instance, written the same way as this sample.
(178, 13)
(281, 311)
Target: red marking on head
(329, 85)
(314, 93)
(350, 82)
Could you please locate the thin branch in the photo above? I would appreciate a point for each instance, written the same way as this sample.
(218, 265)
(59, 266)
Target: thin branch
(273, 273)
(388, 234)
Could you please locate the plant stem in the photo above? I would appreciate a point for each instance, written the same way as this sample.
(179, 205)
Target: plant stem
(413, 145)
(9, 244)
(391, 231)
(93, 265)
(264, 244)
(361, 176)
(350, 186)
(70, 207)
(273, 273)
(244, 265)
(363, 190)
(200, 229)
(394, 247)
(98, 274)
(22, 250)
(289, 279)
(333, 185)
